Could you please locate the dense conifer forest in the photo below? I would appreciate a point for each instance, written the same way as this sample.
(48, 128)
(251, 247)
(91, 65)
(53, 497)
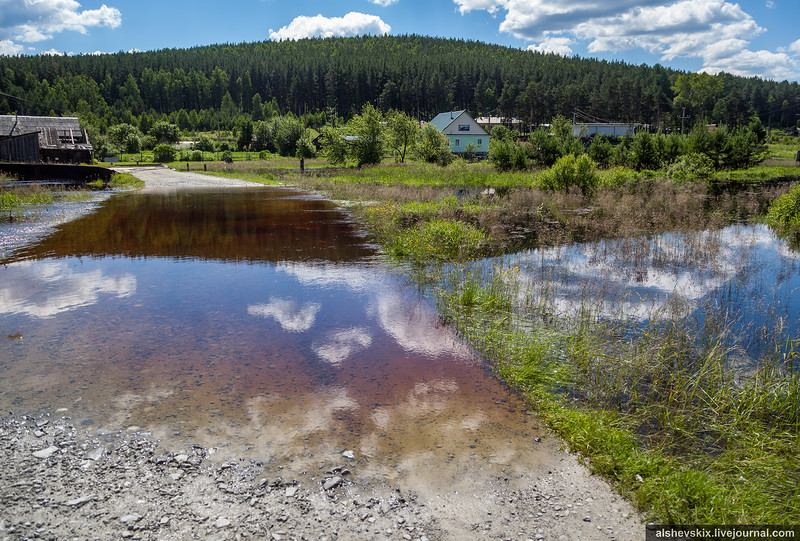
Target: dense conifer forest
(205, 87)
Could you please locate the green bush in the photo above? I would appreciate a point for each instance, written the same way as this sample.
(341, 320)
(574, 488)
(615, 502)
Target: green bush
(570, 171)
(163, 154)
(784, 213)
(693, 167)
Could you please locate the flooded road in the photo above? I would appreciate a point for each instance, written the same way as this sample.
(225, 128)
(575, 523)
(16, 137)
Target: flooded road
(258, 322)
(261, 323)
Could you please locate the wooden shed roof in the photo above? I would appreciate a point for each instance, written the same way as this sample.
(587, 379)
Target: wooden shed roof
(63, 133)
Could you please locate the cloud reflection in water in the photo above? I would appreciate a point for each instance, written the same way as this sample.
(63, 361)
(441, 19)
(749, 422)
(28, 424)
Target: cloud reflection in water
(43, 290)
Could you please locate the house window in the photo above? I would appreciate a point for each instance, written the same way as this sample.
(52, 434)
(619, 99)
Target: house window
(480, 142)
(463, 127)
(458, 142)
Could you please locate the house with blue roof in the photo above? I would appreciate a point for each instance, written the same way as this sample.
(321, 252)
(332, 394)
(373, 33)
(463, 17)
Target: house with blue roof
(461, 129)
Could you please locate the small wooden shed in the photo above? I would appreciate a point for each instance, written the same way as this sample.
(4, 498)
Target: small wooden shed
(60, 139)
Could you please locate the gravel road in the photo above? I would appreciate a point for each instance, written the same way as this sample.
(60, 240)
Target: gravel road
(63, 480)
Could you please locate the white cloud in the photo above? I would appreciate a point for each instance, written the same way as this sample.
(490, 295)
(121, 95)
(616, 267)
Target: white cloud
(795, 47)
(770, 4)
(554, 44)
(384, 3)
(9, 48)
(716, 31)
(352, 24)
(34, 21)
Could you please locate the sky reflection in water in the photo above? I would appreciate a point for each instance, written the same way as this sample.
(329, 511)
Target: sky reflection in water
(742, 273)
(186, 315)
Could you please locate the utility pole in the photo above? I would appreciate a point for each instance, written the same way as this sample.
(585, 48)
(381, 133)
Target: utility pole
(683, 117)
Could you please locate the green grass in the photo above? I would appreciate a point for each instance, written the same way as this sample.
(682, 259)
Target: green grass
(11, 198)
(667, 424)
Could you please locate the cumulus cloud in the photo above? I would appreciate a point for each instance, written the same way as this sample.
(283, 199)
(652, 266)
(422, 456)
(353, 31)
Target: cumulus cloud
(715, 31)
(352, 24)
(554, 44)
(34, 21)
(9, 48)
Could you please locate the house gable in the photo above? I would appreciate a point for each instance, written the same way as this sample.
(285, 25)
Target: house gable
(457, 123)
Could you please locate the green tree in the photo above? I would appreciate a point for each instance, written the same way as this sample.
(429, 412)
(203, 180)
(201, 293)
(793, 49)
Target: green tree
(698, 91)
(334, 146)
(402, 132)
(245, 129)
(368, 128)
(164, 132)
(163, 154)
(288, 130)
(432, 146)
(305, 146)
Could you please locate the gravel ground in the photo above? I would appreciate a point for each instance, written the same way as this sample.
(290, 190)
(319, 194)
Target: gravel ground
(62, 481)
(160, 178)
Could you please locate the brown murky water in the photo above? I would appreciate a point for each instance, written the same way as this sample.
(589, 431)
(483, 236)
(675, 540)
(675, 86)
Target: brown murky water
(259, 322)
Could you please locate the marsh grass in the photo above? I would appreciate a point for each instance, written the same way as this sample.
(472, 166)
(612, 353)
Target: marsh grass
(667, 411)
(12, 197)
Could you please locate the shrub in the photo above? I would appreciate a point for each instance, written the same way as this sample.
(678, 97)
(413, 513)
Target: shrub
(693, 167)
(432, 146)
(501, 153)
(204, 144)
(784, 213)
(568, 171)
(163, 154)
(600, 150)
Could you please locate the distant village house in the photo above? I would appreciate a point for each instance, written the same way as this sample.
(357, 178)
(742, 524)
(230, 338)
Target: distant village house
(43, 139)
(461, 130)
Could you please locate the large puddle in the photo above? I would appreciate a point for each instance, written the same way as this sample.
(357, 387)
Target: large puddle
(742, 279)
(256, 321)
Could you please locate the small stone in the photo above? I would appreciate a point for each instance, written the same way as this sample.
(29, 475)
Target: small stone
(291, 491)
(126, 534)
(46, 453)
(349, 454)
(77, 502)
(164, 520)
(38, 433)
(177, 476)
(180, 459)
(40, 424)
(133, 518)
(332, 482)
(95, 454)
(587, 519)
(222, 523)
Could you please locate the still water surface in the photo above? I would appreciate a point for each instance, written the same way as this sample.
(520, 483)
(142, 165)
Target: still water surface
(257, 321)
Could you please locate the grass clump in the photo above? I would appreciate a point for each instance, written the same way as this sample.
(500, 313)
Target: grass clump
(439, 240)
(784, 214)
(13, 197)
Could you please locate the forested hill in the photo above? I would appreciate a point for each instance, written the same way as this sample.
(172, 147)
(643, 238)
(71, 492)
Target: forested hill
(419, 75)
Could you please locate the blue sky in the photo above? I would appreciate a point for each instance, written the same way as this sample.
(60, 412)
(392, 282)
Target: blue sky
(751, 37)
